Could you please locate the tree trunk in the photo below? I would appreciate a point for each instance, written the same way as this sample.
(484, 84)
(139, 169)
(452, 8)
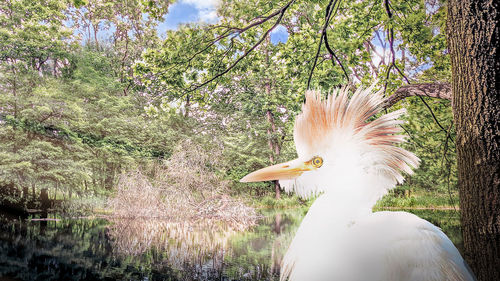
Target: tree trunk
(473, 40)
(96, 29)
(109, 176)
(55, 191)
(33, 191)
(275, 150)
(187, 106)
(271, 132)
(55, 68)
(25, 193)
(14, 90)
(44, 199)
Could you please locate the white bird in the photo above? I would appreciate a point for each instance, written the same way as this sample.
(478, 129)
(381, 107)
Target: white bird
(350, 160)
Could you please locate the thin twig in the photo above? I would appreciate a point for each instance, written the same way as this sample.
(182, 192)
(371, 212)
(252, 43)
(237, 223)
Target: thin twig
(390, 34)
(327, 44)
(230, 30)
(413, 138)
(281, 13)
(368, 16)
(328, 14)
(333, 54)
(393, 64)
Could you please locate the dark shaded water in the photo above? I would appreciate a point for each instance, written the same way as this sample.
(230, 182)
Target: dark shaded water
(98, 249)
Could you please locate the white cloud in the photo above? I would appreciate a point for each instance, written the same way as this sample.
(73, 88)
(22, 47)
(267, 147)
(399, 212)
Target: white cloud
(206, 9)
(208, 16)
(202, 3)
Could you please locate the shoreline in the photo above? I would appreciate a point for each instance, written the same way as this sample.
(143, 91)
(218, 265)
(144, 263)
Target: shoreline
(433, 208)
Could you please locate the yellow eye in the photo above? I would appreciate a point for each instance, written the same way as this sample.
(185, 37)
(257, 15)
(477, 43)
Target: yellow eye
(317, 161)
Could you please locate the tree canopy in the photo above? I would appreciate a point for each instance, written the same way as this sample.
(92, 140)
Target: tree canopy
(107, 92)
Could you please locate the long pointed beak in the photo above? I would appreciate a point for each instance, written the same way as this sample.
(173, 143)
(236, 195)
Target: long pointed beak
(283, 171)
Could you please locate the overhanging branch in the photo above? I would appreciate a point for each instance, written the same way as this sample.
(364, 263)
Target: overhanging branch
(439, 90)
(390, 34)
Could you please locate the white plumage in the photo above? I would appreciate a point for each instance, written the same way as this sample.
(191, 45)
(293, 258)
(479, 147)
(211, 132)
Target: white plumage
(341, 238)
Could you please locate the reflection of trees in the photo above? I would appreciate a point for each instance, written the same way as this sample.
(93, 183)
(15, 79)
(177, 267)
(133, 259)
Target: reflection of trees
(184, 243)
(95, 250)
(65, 250)
(207, 247)
(257, 254)
(276, 255)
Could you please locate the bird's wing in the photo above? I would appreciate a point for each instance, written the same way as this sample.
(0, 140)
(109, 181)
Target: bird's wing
(383, 246)
(402, 246)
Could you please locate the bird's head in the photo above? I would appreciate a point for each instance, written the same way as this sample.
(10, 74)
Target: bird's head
(338, 145)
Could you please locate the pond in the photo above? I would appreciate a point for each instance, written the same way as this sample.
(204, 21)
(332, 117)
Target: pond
(100, 249)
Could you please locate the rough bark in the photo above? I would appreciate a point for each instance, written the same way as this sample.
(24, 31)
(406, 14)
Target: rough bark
(110, 175)
(275, 149)
(473, 40)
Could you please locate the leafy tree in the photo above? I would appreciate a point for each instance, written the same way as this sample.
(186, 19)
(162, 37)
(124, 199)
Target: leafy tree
(232, 70)
(124, 28)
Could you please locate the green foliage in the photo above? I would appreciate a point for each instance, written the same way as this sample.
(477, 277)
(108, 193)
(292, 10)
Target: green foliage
(31, 32)
(286, 201)
(434, 146)
(418, 198)
(272, 79)
(74, 115)
(74, 134)
(79, 207)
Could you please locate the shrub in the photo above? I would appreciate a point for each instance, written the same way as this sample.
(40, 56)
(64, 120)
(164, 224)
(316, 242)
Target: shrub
(184, 188)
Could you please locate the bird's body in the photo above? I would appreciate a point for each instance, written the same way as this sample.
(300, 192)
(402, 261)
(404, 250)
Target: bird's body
(365, 246)
(352, 162)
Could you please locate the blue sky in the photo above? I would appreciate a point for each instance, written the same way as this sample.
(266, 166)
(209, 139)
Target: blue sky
(186, 11)
(179, 13)
(190, 11)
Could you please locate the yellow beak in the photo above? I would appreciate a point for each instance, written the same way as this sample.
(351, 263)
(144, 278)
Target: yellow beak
(284, 171)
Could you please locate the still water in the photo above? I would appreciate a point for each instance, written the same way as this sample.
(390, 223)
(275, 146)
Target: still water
(101, 249)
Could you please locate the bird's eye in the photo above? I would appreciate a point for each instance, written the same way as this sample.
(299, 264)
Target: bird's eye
(317, 161)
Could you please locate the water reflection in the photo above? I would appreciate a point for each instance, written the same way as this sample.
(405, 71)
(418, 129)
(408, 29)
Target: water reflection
(184, 243)
(99, 249)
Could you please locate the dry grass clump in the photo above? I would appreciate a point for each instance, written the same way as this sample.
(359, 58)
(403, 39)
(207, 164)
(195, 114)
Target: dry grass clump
(183, 189)
(136, 197)
(180, 207)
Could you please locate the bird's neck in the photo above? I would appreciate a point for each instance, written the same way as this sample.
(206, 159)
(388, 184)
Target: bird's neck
(328, 217)
(352, 197)
(341, 209)
(356, 196)
(354, 181)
